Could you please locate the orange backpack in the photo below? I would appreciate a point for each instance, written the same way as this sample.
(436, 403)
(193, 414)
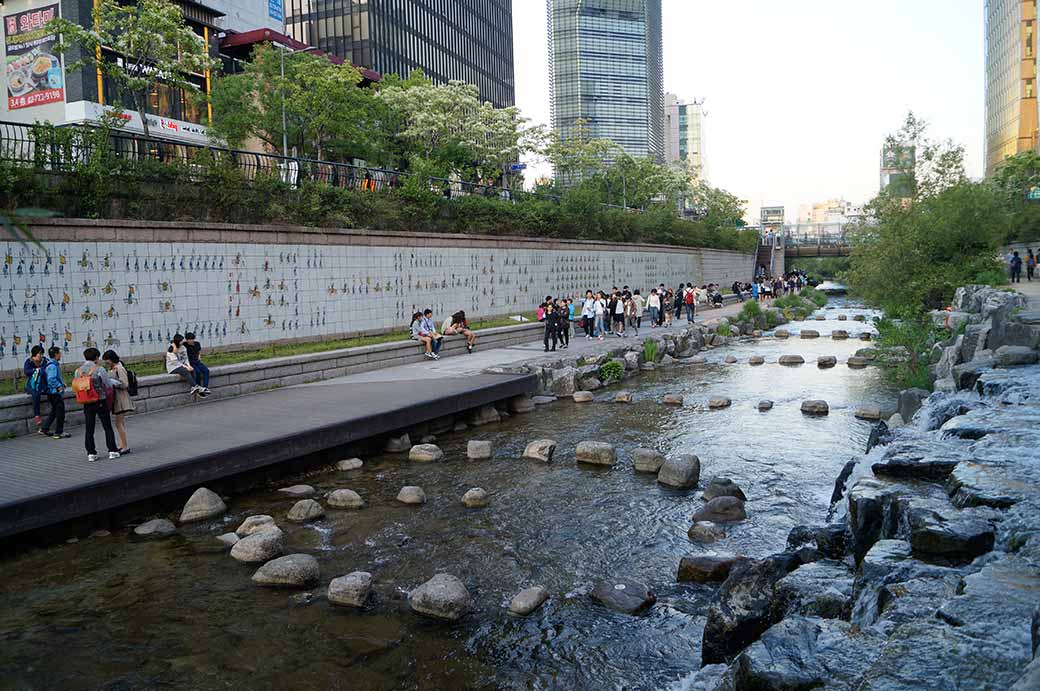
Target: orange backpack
(83, 385)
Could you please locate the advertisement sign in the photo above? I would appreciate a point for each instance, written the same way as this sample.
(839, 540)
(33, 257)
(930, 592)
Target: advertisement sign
(274, 10)
(32, 73)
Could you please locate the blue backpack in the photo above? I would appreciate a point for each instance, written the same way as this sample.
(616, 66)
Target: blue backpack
(37, 383)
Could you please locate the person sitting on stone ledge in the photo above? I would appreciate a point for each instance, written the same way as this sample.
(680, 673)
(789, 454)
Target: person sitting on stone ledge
(456, 325)
(177, 363)
(426, 335)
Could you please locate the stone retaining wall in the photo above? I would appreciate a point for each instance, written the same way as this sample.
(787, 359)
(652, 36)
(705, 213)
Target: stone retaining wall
(162, 391)
(130, 286)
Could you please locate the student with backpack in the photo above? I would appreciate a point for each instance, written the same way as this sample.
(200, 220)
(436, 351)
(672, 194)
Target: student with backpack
(55, 396)
(122, 403)
(689, 300)
(90, 384)
(35, 382)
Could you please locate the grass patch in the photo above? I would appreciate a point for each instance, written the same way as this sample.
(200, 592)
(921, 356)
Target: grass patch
(16, 384)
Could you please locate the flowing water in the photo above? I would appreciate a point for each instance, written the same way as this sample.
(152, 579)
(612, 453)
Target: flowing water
(112, 612)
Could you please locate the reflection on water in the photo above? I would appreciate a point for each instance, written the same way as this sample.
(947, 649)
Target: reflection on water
(115, 612)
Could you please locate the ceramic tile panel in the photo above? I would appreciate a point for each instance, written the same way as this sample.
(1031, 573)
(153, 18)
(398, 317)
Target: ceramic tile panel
(134, 296)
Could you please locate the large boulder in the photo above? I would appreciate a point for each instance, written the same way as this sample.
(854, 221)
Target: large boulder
(957, 539)
(826, 361)
(706, 532)
(682, 471)
(351, 590)
(742, 610)
(259, 547)
(254, 524)
(157, 527)
(724, 509)
(807, 653)
(623, 595)
(425, 453)
(820, 589)
(910, 401)
(478, 450)
(305, 510)
(723, 487)
(202, 504)
(595, 453)
(290, 571)
(528, 600)
(564, 381)
(791, 360)
(647, 460)
(442, 597)
(706, 568)
(345, 499)
(1013, 356)
(540, 450)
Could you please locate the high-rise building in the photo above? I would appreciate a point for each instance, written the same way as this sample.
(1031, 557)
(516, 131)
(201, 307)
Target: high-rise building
(684, 134)
(606, 69)
(467, 40)
(1011, 103)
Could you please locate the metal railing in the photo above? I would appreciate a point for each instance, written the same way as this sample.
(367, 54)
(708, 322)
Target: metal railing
(23, 145)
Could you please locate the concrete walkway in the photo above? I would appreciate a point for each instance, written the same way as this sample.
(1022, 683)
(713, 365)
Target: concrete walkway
(45, 481)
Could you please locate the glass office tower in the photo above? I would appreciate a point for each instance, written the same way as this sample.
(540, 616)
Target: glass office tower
(468, 40)
(606, 68)
(1011, 102)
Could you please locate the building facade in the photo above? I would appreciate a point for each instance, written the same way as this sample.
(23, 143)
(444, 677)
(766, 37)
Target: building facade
(465, 40)
(606, 70)
(684, 134)
(1011, 103)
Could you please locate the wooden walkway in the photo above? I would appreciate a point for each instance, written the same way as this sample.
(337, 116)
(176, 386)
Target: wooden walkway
(45, 481)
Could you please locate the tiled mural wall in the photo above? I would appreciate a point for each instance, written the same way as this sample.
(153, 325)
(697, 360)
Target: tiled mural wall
(133, 296)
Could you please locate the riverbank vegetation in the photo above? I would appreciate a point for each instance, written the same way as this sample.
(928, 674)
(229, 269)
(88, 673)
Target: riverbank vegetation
(826, 268)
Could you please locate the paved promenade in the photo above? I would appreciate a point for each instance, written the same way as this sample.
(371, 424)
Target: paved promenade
(45, 481)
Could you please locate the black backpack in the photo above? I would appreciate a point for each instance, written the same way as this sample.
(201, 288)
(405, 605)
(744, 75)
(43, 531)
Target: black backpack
(131, 382)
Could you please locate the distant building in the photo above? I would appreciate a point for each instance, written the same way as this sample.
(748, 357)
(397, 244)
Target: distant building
(897, 167)
(1011, 103)
(830, 211)
(605, 68)
(465, 40)
(771, 218)
(684, 134)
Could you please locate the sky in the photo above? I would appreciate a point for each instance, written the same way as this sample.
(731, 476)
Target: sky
(801, 93)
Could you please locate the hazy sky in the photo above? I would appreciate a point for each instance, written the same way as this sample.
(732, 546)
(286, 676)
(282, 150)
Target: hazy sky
(801, 93)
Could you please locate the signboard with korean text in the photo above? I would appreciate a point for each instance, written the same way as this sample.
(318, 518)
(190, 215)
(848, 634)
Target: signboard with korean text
(275, 11)
(32, 72)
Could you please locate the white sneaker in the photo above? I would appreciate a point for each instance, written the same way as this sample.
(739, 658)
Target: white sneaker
(429, 356)
(113, 455)
(194, 390)
(91, 457)
(436, 356)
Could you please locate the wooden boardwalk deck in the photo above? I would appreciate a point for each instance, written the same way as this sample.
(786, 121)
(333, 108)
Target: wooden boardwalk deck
(45, 481)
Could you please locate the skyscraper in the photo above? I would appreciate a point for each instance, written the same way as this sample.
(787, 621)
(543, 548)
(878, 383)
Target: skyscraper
(684, 133)
(1011, 103)
(467, 40)
(605, 68)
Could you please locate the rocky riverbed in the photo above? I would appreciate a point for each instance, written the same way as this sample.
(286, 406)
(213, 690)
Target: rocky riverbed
(926, 573)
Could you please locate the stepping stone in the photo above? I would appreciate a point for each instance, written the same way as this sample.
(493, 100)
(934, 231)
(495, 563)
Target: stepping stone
(826, 361)
(721, 510)
(157, 527)
(681, 472)
(411, 495)
(706, 568)
(858, 362)
(815, 407)
(540, 450)
(203, 504)
(254, 524)
(350, 464)
(351, 590)
(478, 450)
(259, 547)
(809, 333)
(623, 595)
(543, 400)
(871, 414)
(623, 397)
(305, 510)
(731, 359)
(345, 499)
(442, 597)
(672, 399)
(764, 406)
(398, 444)
(723, 487)
(756, 360)
(425, 453)
(719, 403)
(791, 360)
(595, 453)
(582, 396)
(290, 571)
(647, 460)
(782, 334)
(475, 498)
(298, 491)
(839, 335)
(706, 532)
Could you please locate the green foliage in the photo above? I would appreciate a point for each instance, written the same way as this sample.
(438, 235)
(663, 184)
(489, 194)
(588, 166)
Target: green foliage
(991, 277)
(649, 350)
(1014, 178)
(772, 319)
(750, 311)
(155, 45)
(817, 297)
(724, 330)
(831, 268)
(795, 306)
(903, 350)
(611, 371)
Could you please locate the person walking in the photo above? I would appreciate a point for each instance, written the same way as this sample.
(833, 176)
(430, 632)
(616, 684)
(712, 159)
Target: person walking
(122, 404)
(194, 350)
(1016, 268)
(588, 315)
(551, 317)
(690, 300)
(637, 305)
(653, 303)
(563, 323)
(619, 315)
(601, 315)
(55, 396)
(668, 308)
(1030, 265)
(91, 387)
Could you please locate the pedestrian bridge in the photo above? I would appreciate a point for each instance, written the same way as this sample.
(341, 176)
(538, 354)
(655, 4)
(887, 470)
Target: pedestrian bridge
(816, 246)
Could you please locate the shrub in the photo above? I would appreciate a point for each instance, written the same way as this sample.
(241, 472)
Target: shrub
(818, 297)
(772, 320)
(991, 278)
(724, 330)
(649, 350)
(750, 311)
(611, 371)
(904, 348)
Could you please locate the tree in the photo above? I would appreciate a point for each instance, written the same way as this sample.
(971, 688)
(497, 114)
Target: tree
(716, 207)
(152, 46)
(929, 166)
(327, 115)
(1015, 178)
(576, 155)
(639, 182)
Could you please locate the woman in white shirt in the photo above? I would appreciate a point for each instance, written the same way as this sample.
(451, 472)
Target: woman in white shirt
(600, 308)
(653, 303)
(588, 314)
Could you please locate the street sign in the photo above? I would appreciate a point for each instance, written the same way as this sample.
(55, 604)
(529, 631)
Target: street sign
(515, 167)
(1033, 194)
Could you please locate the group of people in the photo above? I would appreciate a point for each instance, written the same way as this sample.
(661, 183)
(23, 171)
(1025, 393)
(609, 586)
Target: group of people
(424, 330)
(765, 289)
(105, 388)
(1015, 262)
